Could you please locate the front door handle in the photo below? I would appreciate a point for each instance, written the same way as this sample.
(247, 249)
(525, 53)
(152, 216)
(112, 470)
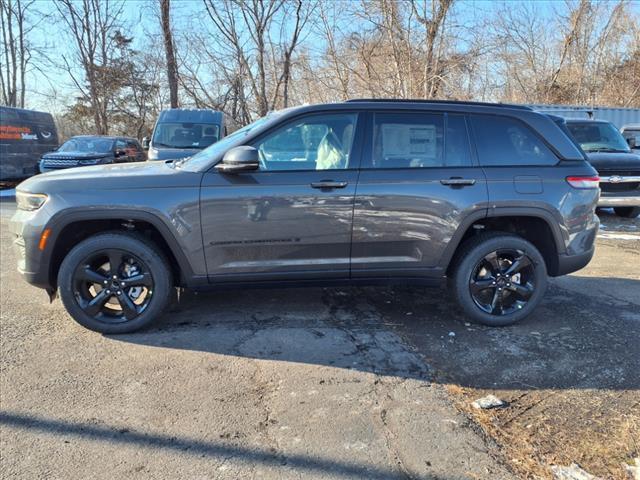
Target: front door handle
(328, 184)
(458, 181)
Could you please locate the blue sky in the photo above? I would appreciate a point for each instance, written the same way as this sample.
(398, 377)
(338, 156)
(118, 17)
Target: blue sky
(141, 21)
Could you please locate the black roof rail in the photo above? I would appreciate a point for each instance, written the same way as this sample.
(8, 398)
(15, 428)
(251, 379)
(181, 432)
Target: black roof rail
(452, 102)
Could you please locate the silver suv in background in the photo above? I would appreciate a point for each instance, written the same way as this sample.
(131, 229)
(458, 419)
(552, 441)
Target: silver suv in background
(180, 133)
(617, 164)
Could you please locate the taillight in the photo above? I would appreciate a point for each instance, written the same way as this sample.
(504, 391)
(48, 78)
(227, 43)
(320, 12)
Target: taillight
(583, 182)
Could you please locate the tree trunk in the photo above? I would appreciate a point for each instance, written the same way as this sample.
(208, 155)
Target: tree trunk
(172, 67)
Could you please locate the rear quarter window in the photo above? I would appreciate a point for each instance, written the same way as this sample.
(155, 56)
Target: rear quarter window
(503, 141)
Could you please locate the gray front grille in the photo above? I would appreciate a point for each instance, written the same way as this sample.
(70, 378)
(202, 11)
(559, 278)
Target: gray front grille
(59, 162)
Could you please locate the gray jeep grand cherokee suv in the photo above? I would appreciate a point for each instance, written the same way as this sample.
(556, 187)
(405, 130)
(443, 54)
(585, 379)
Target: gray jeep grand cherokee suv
(492, 197)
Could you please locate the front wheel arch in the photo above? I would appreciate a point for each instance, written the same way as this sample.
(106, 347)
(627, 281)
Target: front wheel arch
(72, 229)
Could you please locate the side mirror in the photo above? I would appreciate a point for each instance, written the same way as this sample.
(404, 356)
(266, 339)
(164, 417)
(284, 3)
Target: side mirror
(145, 143)
(632, 142)
(239, 159)
(120, 153)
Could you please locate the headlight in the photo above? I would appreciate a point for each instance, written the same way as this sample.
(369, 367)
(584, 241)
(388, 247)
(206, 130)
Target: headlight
(30, 201)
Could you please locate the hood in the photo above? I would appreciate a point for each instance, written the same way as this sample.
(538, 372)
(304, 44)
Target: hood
(119, 176)
(610, 161)
(76, 155)
(164, 153)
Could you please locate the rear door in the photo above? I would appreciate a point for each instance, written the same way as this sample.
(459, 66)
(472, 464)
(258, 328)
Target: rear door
(292, 218)
(418, 182)
(521, 169)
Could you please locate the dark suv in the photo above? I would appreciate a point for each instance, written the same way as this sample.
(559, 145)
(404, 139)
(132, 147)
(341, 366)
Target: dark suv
(494, 197)
(617, 164)
(86, 150)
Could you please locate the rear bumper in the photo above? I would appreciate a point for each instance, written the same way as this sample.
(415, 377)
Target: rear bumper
(571, 263)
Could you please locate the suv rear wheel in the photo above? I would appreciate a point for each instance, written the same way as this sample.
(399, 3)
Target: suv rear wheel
(499, 278)
(627, 212)
(114, 283)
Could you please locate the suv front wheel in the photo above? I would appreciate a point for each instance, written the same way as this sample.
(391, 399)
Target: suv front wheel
(115, 283)
(499, 278)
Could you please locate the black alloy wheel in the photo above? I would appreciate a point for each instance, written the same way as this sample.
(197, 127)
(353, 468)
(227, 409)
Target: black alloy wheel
(503, 282)
(498, 278)
(115, 282)
(113, 286)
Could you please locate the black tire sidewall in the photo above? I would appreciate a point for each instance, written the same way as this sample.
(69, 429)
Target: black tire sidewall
(627, 212)
(477, 250)
(146, 252)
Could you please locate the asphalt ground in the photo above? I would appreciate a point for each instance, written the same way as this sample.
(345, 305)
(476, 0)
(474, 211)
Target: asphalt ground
(326, 382)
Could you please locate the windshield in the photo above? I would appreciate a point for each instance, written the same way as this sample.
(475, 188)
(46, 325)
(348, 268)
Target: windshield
(203, 158)
(185, 135)
(598, 137)
(87, 145)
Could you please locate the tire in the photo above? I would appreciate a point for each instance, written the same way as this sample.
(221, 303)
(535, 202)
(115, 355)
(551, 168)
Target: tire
(518, 293)
(143, 275)
(627, 212)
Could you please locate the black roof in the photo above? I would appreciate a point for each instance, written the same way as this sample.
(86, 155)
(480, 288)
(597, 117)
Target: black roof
(107, 137)
(445, 102)
(585, 120)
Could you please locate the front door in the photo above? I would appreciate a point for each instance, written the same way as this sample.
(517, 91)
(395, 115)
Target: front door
(292, 218)
(418, 183)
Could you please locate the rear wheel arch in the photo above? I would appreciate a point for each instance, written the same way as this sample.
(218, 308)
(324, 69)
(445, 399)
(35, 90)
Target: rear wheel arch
(534, 225)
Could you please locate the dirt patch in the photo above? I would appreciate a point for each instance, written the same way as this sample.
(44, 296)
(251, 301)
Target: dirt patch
(599, 430)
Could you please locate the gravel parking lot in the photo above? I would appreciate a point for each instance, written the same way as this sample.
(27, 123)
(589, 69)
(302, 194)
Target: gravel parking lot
(327, 383)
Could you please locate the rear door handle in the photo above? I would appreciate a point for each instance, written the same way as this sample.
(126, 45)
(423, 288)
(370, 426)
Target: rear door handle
(329, 184)
(458, 182)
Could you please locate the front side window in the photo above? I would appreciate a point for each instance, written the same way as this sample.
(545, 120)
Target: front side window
(133, 148)
(314, 142)
(503, 141)
(598, 137)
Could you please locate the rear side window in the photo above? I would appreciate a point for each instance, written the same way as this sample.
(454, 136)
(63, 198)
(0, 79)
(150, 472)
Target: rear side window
(503, 141)
(408, 140)
(419, 140)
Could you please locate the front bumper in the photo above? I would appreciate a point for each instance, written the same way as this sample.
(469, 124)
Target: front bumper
(619, 201)
(619, 191)
(26, 229)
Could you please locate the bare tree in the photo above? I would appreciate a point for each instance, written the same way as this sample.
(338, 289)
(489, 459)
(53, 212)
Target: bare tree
(94, 26)
(432, 19)
(258, 40)
(169, 48)
(16, 52)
